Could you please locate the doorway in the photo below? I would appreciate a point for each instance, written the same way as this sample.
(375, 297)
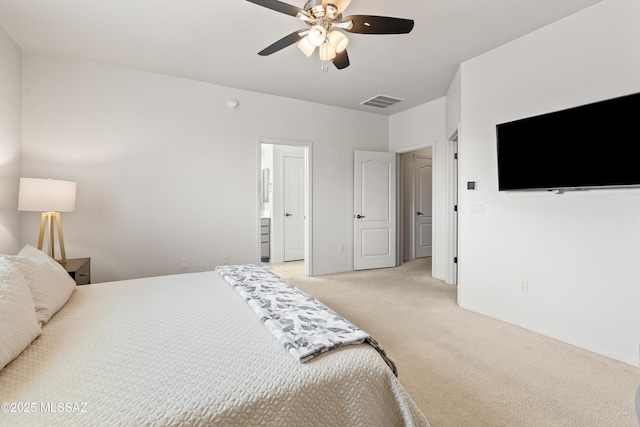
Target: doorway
(416, 204)
(285, 200)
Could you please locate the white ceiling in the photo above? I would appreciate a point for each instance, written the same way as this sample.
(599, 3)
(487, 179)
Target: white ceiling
(217, 41)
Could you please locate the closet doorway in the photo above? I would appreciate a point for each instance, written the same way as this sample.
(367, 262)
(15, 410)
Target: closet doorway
(285, 232)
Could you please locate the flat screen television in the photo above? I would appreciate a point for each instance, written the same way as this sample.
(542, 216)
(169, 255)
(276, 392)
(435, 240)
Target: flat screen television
(591, 146)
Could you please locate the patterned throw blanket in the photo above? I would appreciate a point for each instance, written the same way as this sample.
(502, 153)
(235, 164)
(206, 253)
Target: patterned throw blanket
(301, 323)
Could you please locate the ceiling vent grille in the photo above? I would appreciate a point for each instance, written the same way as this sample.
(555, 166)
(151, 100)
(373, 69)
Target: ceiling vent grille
(381, 101)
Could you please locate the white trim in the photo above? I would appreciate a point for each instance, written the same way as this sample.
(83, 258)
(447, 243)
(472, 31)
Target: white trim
(451, 224)
(553, 334)
(416, 147)
(308, 155)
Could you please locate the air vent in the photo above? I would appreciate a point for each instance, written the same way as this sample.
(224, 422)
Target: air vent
(381, 101)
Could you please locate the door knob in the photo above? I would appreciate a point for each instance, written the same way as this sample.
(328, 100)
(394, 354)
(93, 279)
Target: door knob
(288, 214)
(359, 216)
(419, 213)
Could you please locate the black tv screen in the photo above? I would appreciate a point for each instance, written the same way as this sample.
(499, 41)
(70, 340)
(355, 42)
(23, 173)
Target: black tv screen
(591, 146)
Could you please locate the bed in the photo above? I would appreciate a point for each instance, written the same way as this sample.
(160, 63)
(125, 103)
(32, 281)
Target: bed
(178, 350)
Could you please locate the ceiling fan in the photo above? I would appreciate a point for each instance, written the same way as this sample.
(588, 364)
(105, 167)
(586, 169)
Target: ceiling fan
(325, 21)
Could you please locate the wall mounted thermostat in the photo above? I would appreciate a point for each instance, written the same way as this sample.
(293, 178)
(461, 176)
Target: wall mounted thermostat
(471, 185)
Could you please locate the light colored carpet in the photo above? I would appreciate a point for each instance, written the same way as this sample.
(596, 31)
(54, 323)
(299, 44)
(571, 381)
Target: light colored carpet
(466, 369)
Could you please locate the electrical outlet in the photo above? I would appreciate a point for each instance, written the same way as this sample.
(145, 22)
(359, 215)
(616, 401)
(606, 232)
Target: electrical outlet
(524, 286)
(477, 208)
(340, 248)
(185, 263)
(226, 259)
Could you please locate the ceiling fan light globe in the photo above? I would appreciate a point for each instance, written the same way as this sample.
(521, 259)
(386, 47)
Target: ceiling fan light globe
(342, 45)
(317, 35)
(306, 47)
(327, 52)
(338, 41)
(341, 5)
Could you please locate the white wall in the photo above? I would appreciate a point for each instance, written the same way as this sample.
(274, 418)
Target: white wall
(10, 127)
(454, 105)
(165, 170)
(417, 128)
(579, 251)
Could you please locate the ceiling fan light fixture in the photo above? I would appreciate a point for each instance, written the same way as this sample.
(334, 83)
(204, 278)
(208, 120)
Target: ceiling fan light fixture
(317, 35)
(306, 47)
(327, 52)
(326, 26)
(338, 41)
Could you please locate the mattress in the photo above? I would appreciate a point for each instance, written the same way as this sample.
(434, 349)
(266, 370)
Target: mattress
(186, 350)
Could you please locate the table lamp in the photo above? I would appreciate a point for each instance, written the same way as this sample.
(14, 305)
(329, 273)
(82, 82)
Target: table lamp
(50, 197)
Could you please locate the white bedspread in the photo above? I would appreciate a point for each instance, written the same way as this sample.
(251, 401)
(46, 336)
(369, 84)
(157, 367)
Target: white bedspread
(186, 350)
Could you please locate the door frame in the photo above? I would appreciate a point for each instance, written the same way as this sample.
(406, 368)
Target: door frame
(308, 163)
(452, 197)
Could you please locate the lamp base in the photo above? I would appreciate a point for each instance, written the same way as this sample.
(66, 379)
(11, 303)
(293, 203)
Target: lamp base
(51, 218)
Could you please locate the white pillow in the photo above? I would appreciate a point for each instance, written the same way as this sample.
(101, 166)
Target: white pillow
(17, 313)
(50, 284)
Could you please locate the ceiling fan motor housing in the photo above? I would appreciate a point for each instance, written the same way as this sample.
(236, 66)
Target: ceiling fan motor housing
(322, 14)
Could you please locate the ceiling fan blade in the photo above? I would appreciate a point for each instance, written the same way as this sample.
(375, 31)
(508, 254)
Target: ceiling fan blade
(365, 24)
(281, 44)
(341, 60)
(278, 6)
(339, 4)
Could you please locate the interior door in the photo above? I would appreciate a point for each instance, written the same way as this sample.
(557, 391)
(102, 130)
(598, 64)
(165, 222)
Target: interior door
(375, 210)
(423, 206)
(294, 214)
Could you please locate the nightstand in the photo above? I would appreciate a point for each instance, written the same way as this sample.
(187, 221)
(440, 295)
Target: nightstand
(79, 269)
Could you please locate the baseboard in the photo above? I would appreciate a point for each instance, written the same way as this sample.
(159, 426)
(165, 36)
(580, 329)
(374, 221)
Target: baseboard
(594, 349)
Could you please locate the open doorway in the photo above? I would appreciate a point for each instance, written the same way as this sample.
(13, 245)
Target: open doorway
(417, 167)
(416, 204)
(285, 195)
(443, 208)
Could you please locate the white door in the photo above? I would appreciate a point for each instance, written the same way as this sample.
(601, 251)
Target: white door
(294, 214)
(423, 206)
(375, 210)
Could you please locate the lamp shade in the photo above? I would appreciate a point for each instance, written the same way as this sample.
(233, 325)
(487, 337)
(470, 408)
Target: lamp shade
(306, 46)
(317, 35)
(327, 52)
(46, 195)
(338, 41)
